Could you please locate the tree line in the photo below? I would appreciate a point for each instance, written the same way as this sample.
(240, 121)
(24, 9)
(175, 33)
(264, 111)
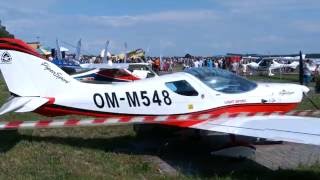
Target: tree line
(4, 32)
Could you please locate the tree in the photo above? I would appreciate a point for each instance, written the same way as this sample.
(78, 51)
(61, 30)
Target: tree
(4, 32)
(188, 56)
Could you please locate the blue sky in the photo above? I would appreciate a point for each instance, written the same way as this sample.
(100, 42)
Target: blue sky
(170, 27)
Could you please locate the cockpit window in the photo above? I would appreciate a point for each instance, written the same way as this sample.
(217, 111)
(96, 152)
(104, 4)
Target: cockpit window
(221, 80)
(266, 62)
(133, 67)
(182, 87)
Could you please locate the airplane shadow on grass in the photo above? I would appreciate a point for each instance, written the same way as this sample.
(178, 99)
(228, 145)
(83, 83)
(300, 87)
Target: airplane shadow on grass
(191, 156)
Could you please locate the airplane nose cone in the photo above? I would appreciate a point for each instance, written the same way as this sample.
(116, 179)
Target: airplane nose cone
(305, 89)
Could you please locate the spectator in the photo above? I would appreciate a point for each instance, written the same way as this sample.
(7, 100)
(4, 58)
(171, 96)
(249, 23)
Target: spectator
(209, 63)
(196, 63)
(307, 72)
(234, 67)
(170, 66)
(216, 64)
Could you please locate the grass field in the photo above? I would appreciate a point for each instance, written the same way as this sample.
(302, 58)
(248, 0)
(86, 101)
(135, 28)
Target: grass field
(116, 153)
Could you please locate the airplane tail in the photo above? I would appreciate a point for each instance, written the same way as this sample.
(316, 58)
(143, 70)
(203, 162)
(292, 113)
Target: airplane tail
(27, 74)
(105, 55)
(58, 52)
(78, 51)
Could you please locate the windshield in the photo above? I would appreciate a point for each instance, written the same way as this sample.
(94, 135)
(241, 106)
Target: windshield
(221, 80)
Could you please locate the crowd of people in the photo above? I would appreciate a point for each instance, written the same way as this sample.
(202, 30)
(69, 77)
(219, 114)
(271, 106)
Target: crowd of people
(172, 63)
(235, 64)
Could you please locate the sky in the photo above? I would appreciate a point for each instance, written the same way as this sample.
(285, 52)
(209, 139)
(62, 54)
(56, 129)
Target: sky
(169, 27)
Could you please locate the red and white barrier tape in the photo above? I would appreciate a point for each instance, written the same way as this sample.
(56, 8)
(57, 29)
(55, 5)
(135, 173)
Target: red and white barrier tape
(57, 123)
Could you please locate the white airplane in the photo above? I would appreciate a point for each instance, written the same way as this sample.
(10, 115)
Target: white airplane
(269, 64)
(115, 72)
(110, 72)
(39, 86)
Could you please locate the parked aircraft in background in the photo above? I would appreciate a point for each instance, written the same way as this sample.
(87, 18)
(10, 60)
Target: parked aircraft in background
(269, 64)
(105, 72)
(115, 72)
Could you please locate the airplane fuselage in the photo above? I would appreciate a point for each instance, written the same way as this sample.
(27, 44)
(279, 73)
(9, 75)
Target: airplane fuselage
(155, 97)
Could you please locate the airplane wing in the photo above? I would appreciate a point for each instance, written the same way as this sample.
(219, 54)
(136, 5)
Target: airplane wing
(296, 129)
(22, 104)
(105, 66)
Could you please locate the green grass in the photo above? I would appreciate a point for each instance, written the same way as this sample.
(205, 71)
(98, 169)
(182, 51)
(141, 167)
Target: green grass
(284, 78)
(114, 153)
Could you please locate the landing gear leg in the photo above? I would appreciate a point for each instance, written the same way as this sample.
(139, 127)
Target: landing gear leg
(236, 149)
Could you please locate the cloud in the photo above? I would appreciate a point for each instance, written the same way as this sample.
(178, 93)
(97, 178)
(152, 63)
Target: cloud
(227, 25)
(31, 6)
(247, 5)
(180, 16)
(267, 9)
(307, 26)
(163, 17)
(25, 19)
(269, 39)
(167, 44)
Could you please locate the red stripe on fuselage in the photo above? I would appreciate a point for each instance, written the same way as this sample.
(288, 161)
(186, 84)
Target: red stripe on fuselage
(233, 110)
(17, 45)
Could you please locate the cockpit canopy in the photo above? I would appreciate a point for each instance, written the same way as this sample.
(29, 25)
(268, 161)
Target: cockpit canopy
(222, 80)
